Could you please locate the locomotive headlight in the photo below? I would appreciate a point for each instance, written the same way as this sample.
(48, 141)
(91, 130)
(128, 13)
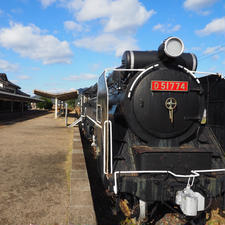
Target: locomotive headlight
(171, 47)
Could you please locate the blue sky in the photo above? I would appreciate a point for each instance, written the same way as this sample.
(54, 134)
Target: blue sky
(61, 45)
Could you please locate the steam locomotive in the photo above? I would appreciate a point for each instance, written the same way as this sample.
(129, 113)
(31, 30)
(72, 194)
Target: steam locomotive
(157, 132)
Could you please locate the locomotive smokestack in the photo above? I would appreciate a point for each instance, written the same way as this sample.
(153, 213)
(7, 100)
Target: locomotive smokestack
(172, 47)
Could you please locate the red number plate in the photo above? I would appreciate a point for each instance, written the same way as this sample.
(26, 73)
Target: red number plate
(160, 85)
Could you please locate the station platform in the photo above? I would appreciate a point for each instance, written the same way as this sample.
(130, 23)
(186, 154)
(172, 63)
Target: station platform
(81, 203)
(38, 183)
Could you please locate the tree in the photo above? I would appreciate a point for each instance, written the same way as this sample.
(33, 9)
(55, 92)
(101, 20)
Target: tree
(72, 103)
(46, 104)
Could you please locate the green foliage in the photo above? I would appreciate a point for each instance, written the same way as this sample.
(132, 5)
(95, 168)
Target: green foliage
(72, 103)
(46, 104)
(128, 221)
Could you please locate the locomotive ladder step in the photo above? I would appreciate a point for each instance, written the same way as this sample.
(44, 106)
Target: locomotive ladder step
(75, 123)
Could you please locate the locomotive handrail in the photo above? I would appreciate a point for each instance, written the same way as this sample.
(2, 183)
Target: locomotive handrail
(105, 162)
(190, 72)
(104, 149)
(139, 76)
(208, 73)
(111, 147)
(195, 173)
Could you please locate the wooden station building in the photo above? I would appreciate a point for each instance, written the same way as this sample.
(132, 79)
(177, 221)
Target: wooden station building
(12, 99)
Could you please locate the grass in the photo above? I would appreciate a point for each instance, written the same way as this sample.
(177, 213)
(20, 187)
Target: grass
(216, 219)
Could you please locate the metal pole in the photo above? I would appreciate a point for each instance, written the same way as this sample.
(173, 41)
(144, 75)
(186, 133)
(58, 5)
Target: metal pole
(60, 107)
(56, 108)
(66, 110)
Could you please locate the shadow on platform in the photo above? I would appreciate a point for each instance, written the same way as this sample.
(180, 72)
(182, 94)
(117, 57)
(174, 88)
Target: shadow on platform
(11, 118)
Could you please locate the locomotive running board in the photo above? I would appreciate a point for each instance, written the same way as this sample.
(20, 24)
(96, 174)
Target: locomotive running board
(191, 177)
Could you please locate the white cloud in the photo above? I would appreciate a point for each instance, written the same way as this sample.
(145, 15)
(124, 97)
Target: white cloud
(35, 68)
(72, 4)
(94, 66)
(107, 43)
(1, 12)
(216, 57)
(46, 3)
(214, 51)
(196, 48)
(115, 15)
(17, 10)
(118, 21)
(24, 77)
(72, 26)
(215, 26)
(29, 41)
(211, 50)
(81, 77)
(204, 13)
(213, 69)
(6, 66)
(196, 5)
(166, 28)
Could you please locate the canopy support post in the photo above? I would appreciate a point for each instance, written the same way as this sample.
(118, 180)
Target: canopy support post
(56, 108)
(66, 114)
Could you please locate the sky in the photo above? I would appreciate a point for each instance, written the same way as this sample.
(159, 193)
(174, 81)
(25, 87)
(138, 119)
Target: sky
(63, 45)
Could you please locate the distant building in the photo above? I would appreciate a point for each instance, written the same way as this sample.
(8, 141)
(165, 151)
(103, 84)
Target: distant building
(12, 99)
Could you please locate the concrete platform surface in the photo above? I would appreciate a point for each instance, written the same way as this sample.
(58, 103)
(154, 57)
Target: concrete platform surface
(81, 204)
(35, 161)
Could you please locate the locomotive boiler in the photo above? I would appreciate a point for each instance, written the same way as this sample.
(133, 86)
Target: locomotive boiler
(158, 133)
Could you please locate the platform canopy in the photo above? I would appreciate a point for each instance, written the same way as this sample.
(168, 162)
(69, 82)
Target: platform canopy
(6, 96)
(64, 96)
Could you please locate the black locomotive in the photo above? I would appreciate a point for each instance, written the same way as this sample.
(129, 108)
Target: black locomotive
(158, 133)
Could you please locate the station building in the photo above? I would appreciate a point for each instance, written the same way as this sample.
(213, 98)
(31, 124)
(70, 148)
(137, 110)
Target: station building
(12, 99)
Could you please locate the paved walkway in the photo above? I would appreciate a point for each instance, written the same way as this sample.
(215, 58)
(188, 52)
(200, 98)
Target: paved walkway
(81, 204)
(34, 172)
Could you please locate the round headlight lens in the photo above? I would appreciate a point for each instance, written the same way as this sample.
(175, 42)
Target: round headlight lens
(173, 47)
